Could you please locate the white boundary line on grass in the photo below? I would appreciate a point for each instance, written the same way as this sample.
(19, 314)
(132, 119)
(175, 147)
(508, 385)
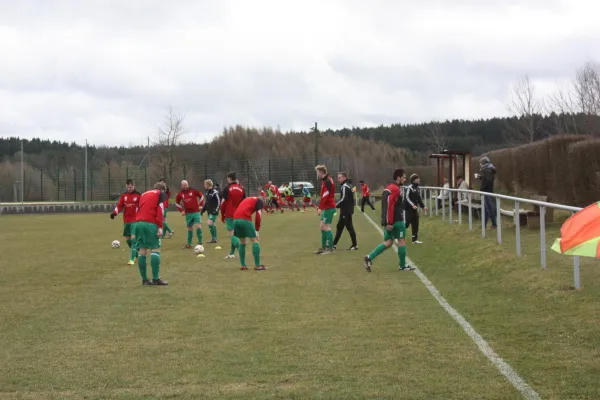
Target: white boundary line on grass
(485, 348)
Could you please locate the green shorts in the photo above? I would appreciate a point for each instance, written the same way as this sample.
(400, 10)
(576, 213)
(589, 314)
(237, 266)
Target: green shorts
(192, 218)
(229, 224)
(398, 231)
(212, 217)
(129, 229)
(146, 235)
(327, 216)
(243, 229)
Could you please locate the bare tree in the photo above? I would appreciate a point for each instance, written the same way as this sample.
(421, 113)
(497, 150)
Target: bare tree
(527, 109)
(169, 138)
(561, 107)
(436, 137)
(587, 88)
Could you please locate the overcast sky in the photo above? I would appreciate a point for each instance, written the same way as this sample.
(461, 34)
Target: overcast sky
(107, 70)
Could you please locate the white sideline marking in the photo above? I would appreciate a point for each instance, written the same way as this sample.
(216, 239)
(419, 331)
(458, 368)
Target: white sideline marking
(485, 348)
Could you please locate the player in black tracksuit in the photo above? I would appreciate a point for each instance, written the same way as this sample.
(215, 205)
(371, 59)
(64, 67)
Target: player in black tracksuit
(346, 206)
(412, 202)
(212, 206)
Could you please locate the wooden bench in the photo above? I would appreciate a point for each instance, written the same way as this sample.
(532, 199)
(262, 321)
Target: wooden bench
(476, 209)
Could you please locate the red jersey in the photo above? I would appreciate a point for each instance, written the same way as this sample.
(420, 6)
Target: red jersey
(151, 207)
(327, 194)
(232, 198)
(263, 194)
(249, 206)
(129, 204)
(365, 190)
(275, 191)
(192, 200)
(392, 209)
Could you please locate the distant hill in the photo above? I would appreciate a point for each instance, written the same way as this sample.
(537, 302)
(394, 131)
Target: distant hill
(478, 136)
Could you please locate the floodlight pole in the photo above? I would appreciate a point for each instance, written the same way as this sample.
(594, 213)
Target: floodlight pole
(85, 179)
(22, 173)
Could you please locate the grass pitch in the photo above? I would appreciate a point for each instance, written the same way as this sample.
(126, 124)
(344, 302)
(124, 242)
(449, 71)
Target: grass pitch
(76, 323)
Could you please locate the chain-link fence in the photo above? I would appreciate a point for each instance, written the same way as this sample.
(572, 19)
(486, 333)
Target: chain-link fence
(107, 183)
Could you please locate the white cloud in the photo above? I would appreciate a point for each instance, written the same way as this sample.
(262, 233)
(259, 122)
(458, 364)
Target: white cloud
(107, 70)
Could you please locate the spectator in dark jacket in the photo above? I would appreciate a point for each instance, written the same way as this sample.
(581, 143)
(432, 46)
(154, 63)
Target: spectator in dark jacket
(346, 206)
(487, 176)
(412, 202)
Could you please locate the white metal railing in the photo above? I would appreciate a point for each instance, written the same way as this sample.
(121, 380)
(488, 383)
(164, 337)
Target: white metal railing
(427, 193)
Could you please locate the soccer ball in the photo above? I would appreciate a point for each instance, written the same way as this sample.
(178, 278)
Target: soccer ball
(199, 249)
(116, 244)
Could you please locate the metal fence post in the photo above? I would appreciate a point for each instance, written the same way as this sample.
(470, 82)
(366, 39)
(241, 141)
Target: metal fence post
(450, 209)
(184, 172)
(82, 184)
(498, 221)
(518, 229)
(576, 272)
(57, 184)
(270, 170)
(543, 235)
(292, 174)
(430, 203)
(482, 216)
(41, 184)
(248, 175)
(74, 186)
(91, 198)
(108, 183)
(459, 206)
(205, 170)
(437, 206)
(470, 213)
(443, 208)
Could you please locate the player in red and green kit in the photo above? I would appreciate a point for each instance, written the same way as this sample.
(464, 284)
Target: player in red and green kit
(188, 202)
(392, 218)
(128, 203)
(244, 229)
(166, 227)
(233, 195)
(326, 209)
(148, 230)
